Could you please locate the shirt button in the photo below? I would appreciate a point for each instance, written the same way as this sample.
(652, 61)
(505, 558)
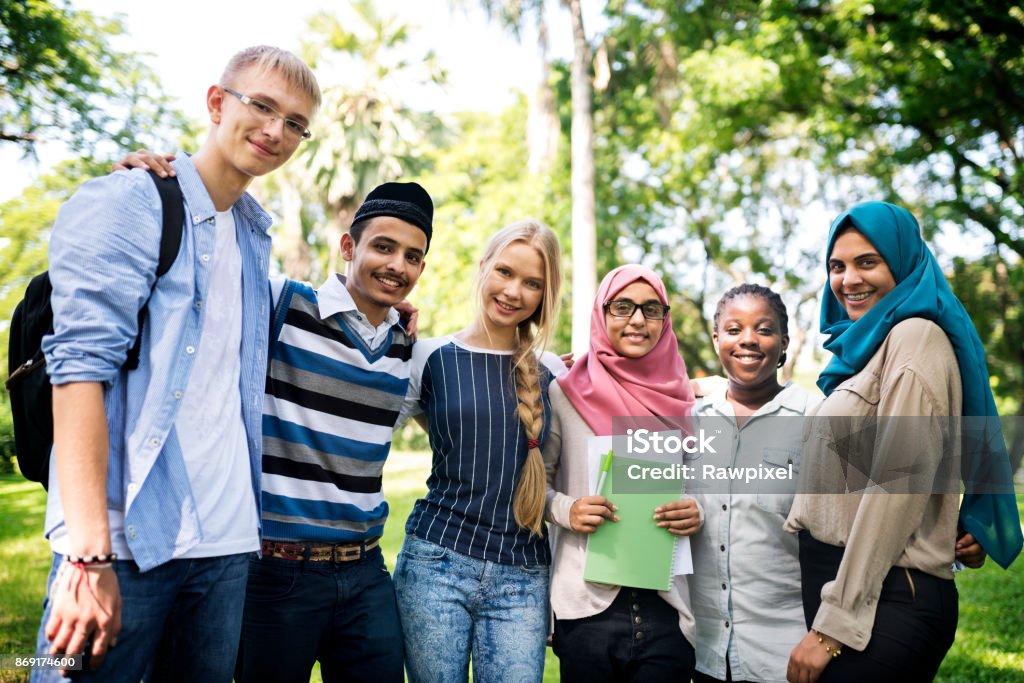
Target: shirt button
(131, 532)
(177, 395)
(722, 548)
(195, 219)
(131, 488)
(154, 442)
(639, 635)
(635, 607)
(199, 304)
(637, 620)
(190, 349)
(727, 624)
(723, 586)
(725, 507)
(205, 257)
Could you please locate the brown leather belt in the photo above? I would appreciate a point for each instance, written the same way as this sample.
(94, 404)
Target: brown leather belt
(326, 552)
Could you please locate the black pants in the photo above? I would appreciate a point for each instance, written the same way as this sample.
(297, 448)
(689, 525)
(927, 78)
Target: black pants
(915, 623)
(636, 639)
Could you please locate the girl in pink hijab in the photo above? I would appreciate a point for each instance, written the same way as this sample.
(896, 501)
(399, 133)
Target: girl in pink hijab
(633, 369)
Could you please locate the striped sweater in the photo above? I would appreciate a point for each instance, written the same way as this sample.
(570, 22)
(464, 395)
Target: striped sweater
(329, 411)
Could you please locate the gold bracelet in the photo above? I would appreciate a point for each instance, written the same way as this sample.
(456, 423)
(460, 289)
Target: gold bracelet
(834, 651)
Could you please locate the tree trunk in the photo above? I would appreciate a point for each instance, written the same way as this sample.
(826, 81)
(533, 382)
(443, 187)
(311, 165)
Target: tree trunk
(584, 222)
(542, 125)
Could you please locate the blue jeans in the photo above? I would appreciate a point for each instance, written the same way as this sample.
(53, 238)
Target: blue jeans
(179, 622)
(453, 605)
(298, 612)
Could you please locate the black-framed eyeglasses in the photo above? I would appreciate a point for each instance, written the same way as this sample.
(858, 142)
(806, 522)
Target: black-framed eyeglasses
(624, 308)
(264, 112)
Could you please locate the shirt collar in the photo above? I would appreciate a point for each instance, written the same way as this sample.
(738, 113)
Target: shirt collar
(333, 297)
(791, 398)
(199, 204)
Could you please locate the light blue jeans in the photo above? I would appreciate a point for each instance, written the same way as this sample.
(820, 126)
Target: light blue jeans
(452, 605)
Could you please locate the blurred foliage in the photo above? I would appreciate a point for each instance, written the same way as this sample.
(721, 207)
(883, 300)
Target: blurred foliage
(364, 134)
(61, 80)
(730, 132)
(479, 185)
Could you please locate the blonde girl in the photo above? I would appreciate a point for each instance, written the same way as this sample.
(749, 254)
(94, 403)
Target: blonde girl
(472, 577)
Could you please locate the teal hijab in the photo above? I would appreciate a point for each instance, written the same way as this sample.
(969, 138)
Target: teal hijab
(989, 508)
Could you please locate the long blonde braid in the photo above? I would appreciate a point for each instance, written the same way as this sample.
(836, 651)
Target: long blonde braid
(531, 336)
(528, 504)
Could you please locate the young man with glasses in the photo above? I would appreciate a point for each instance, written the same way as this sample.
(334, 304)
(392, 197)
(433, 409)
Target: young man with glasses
(154, 497)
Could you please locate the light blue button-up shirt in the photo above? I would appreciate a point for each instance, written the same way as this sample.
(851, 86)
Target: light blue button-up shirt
(745, 587)
(103, 258)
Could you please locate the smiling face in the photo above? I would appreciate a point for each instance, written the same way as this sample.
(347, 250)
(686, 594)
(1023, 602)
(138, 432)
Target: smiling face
(249, 145)
(635, 336)
(512, 289)
(384, 266)
(749, 341)
(857, 274)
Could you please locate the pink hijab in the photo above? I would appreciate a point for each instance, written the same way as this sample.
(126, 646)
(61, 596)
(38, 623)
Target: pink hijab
(602, 384)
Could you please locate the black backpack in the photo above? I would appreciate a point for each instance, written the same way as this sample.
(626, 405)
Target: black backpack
(28, 383)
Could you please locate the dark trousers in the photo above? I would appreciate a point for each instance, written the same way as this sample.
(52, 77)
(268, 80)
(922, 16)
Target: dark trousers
(298, 612)
(698, 677)
(915, 623)
(636, 639)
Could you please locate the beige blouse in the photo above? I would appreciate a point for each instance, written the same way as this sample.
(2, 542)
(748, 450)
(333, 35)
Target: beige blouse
(884, 520)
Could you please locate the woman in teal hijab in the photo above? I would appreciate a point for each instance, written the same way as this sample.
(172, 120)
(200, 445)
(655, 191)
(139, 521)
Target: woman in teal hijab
(989, 508)
(878, 592)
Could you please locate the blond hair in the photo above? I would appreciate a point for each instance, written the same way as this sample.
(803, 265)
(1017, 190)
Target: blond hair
(532, 336)
(265, 58)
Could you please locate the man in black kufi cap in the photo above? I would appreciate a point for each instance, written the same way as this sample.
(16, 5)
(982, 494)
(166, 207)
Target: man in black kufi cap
(337, 376)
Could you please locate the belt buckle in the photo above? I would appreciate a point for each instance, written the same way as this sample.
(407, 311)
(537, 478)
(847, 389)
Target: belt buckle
(341, 554)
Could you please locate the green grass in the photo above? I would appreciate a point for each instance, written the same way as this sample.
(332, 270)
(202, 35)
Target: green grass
(989, 643)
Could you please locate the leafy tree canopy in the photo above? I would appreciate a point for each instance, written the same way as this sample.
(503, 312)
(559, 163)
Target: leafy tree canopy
(61, 80)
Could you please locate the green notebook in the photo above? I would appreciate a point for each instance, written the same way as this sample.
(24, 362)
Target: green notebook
(634, 551)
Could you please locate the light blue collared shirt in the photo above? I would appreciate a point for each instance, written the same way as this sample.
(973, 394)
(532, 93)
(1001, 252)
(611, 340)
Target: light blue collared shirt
(745, 587)
(103, 257)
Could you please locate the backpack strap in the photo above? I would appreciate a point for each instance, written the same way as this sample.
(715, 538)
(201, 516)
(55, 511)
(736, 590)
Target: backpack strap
(174, 217)
(173, 205)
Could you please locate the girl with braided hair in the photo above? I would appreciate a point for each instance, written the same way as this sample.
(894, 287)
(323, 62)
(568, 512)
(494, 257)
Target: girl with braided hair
(472, 577)
(632, 369)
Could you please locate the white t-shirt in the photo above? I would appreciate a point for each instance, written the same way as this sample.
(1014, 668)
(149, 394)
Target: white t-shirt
(209, 423)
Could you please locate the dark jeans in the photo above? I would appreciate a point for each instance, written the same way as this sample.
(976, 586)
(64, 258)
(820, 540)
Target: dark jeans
(179, 622)
(915, 622)
(636, 639)
(298, 612)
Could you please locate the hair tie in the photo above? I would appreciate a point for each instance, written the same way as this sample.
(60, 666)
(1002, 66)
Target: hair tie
(532, 443)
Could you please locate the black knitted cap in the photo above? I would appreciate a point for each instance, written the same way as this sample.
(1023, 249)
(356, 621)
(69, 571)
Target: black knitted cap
(407, 201)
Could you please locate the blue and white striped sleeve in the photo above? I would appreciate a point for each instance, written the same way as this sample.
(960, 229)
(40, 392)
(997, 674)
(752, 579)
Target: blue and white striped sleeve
(103, 257)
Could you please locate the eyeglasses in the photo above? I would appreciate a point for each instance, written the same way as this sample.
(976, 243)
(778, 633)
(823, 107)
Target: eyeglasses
(264, 112)
(624, 308)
